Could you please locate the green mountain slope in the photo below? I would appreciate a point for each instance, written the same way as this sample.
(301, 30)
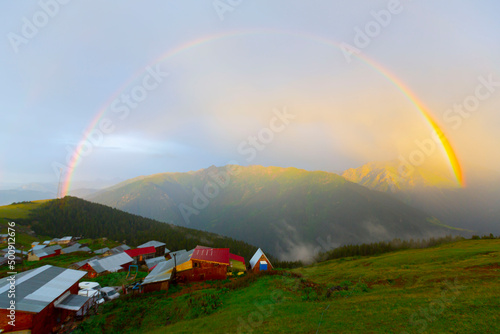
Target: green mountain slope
(289, 212)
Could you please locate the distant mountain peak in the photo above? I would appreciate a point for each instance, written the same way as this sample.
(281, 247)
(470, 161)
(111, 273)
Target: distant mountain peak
(385, 176)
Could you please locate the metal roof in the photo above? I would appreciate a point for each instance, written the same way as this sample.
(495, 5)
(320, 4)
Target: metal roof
(102, 250)
(178, 252)
(73, 302)
(218, 255)
(111, 263)
(83, 262)
(68, 238)
(255, 258)
(154, 261)
(71, 249)
(38, 247)
(153, 243)
(37, 288)
(119, 249)
(163, 270)
(47, 250)
(140, 251)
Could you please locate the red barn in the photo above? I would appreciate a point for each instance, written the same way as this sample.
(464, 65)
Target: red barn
(44, 298)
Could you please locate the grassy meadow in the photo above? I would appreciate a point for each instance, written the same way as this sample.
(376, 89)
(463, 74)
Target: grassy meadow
(451, 288)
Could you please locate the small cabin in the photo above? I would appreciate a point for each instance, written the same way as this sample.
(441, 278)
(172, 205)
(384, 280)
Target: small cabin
(260, 262)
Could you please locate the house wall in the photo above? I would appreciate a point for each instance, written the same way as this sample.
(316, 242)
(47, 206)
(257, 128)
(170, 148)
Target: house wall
(202, 271)
(256, 269)
(90, 271)
(24, 320)
(39, 323)
(160, 251)
(157, 286)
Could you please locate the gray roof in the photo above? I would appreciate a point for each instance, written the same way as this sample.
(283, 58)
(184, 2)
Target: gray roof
(163, 270)
(46, 250)
(178, 252)
(102, 250)
(83, 262)
(110, 263)
(75, 248)
(73, 302)
(38, 247)
(37, 288)
(68, 238)
(154, 261)
(153, 243)
(71, 249)
(256, 257)
(119, 249)
(4, 235)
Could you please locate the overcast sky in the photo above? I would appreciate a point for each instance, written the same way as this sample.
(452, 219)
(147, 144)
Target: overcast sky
(182, 85)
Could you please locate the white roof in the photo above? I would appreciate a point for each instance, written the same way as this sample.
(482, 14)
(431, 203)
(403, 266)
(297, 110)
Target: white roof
(114, 262)
(255, 258)
(37, 288)
(153, 243)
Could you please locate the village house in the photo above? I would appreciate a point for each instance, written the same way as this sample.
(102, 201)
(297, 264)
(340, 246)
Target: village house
(151, 263)
(45, 298)
(3, 238)
(118, 249)
(159, 277)
(160, 247)
(108, 264)
(65, 240)
(78, 265)
(260, 262)
(103, 251)
(43, 253)
(236, 263)
(75, 248)
(141, 254)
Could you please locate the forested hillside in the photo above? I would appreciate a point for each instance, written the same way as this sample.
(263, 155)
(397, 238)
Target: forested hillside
(74, 216)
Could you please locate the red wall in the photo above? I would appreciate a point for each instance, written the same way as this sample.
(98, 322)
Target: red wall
(205, 271)
(39, 323)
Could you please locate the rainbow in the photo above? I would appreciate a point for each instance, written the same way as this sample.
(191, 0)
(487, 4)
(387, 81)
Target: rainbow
(448, 149)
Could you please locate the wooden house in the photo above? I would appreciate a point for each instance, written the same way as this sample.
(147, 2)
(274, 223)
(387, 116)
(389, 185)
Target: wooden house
(108, 264)
(45, 298)
(141, 254)
(43, 253)
(260, 262)
(160, 247)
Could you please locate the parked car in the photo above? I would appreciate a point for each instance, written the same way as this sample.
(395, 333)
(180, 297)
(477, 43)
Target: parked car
(110, 293)
(89, 285)
(95, 294)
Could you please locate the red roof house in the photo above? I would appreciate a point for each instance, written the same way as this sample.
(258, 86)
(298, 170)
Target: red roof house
(141, 254)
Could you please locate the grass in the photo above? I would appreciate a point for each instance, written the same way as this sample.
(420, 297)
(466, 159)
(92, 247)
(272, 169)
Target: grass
(451, 288)
(19, 210)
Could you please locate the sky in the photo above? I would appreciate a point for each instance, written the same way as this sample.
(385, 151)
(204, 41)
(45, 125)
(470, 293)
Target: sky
(118, 89)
